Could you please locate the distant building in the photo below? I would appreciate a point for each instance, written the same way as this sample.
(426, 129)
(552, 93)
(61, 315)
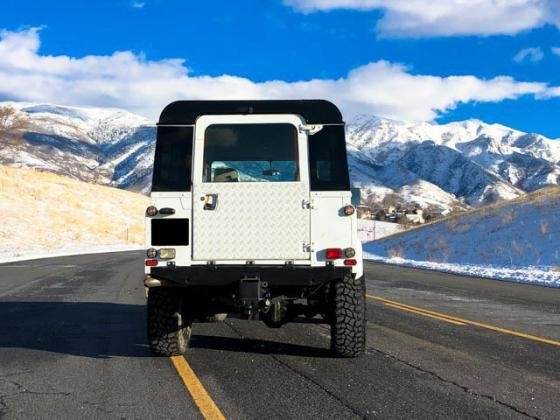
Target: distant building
(415, 217)
(436, 213)
(394, 217)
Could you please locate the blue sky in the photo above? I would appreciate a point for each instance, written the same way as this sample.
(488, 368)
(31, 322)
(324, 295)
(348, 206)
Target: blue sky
(256, 42)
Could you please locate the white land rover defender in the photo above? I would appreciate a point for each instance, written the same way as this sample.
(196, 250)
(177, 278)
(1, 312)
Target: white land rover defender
(251, 214)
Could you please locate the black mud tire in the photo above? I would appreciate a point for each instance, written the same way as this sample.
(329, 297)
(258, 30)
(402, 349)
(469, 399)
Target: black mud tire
(348, 322)
(169, 330)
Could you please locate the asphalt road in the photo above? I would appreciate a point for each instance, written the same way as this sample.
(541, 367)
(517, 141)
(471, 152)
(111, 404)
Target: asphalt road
(72, 345)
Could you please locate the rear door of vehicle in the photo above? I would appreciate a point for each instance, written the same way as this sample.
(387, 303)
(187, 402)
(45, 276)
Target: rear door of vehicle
(250, 190)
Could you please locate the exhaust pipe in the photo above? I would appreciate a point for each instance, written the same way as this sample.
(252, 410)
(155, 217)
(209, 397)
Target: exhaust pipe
(150, 282)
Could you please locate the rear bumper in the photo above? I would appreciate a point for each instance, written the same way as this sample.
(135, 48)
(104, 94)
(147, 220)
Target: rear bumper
(224, 275)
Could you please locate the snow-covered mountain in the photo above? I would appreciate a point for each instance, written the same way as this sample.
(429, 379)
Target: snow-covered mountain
(103, 145)
(468, 162)
(449, 165)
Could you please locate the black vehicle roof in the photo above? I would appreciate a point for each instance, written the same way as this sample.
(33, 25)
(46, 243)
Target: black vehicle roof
(313, 111)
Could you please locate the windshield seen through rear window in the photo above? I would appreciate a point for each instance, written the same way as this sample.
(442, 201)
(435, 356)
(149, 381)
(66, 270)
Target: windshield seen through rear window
(250, 153)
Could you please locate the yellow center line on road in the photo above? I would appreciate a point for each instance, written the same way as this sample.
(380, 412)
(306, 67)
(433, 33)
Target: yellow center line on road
(200, 396)
(448, 318)
(414, 311)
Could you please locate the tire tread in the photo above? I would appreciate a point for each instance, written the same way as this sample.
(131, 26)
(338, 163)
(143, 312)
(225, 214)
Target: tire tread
(168, 330)
(348, 324)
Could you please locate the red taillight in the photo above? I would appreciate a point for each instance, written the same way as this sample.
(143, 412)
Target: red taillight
(350, 261)
(151, 263)
(333, 253)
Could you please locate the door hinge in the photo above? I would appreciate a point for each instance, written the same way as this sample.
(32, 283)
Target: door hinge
(310, 129)
(307, 204)
(308, 247)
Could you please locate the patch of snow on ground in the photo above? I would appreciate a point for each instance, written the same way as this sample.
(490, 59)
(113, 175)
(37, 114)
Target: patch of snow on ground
(371, 230)
(76, 249)
(529, 275)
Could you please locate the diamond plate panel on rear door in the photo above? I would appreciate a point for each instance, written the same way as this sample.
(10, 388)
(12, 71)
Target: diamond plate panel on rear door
(252, 221)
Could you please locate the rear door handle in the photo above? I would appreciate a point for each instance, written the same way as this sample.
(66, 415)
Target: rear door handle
(210, 201)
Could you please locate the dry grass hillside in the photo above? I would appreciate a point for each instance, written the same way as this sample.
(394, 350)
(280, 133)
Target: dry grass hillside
(514, 230)
(515, 239)
(45, 212)
(458, 218)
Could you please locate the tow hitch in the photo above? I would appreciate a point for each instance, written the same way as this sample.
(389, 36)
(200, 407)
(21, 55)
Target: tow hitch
(251, 294)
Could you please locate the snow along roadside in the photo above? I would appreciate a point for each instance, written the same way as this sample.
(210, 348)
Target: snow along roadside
(528, 275)
(69, 251)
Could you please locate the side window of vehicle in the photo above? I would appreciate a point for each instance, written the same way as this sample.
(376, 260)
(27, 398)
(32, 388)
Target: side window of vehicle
(328, 167)
(173, 159)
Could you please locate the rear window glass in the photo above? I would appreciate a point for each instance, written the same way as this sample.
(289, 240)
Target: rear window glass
(250, 153)
(328, 167)
(172, 161)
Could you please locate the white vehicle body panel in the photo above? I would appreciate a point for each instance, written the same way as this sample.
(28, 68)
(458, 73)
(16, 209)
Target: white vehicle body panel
(330, 228)
(262, 222)
(181, 203)
(252, 220)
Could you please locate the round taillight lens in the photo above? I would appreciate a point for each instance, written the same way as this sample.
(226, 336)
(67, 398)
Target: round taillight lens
(151, 253)
(349, 210)
(349, 252)
(151, 211)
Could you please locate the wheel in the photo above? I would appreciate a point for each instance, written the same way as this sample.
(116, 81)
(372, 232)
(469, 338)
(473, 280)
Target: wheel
(348, 322)
(215, 318)
(169, 331)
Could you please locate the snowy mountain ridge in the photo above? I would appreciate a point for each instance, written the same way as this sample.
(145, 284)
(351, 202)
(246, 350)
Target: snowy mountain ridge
(371, 134)
(104, 145)
(100, 125)
(471, 161)
(447, 165)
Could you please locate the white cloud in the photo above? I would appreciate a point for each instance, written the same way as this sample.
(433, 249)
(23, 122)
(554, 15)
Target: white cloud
(138, 4)
(422, 18)
(555, 50)
(532, 54)
(130, 81)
